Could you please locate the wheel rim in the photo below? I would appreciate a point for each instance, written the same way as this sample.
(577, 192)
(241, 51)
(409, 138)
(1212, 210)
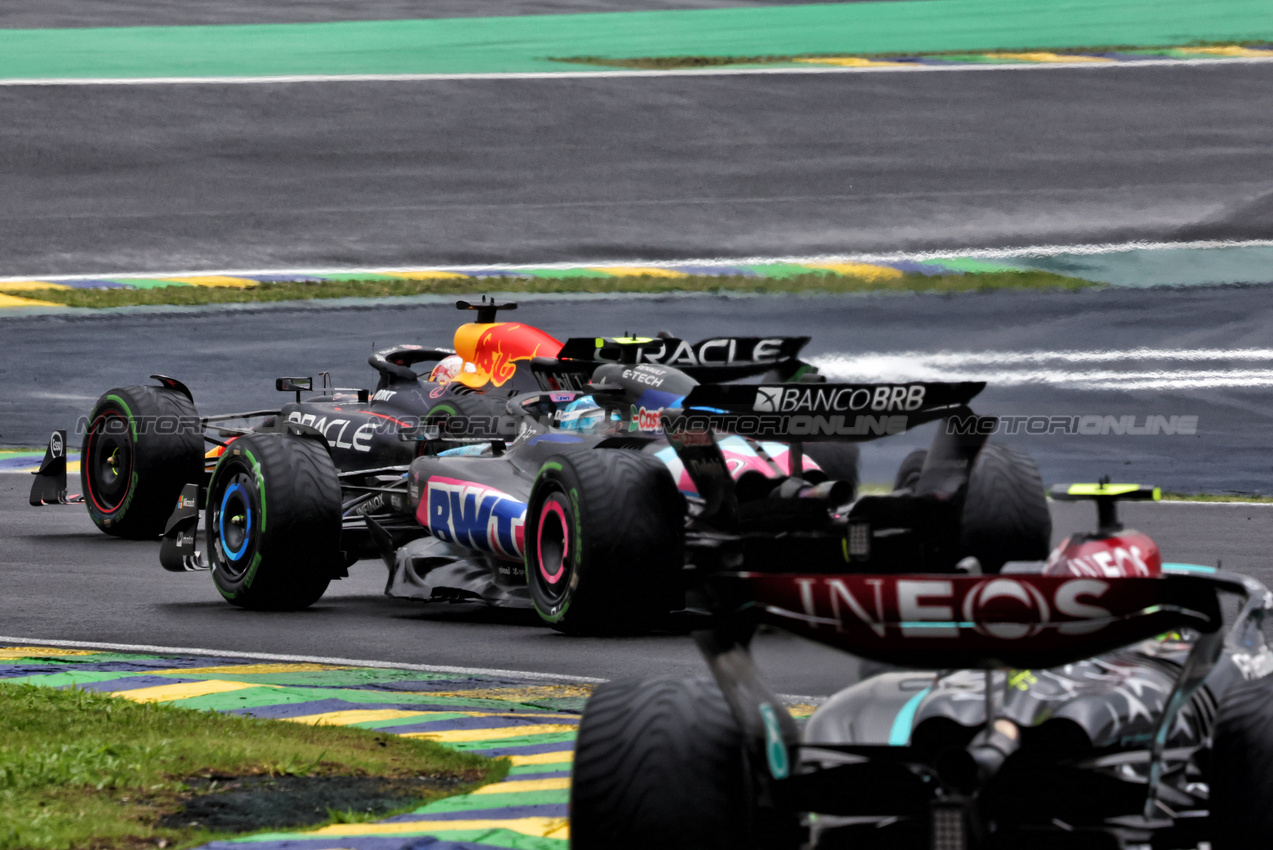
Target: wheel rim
(552, 547)
(109, 461)
(235, 524)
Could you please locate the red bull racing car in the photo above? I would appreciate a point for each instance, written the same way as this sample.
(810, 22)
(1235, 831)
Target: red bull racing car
(331, 469)
(1093, 700)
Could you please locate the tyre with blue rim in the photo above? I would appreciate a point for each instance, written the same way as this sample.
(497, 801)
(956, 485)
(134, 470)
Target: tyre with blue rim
(604, 542)
(273, 522)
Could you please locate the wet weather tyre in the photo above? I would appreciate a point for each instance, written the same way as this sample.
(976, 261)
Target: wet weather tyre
(838, 460)
(273, 522)
(604, 542)
(908, 472)
(467, 416)
(1241, 768)
(660, 762)
(142, 445)
(1005, 515)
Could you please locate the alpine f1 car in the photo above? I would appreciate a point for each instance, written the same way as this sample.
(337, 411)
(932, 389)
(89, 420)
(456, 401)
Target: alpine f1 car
(609, 502)
(320, 465)
(1092, 700)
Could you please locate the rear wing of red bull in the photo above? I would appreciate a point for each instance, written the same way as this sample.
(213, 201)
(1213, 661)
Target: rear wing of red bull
(724, 358)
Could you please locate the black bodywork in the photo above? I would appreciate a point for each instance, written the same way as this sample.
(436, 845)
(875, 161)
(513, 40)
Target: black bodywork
(388, 442)
(472, 497)
(1069, 726)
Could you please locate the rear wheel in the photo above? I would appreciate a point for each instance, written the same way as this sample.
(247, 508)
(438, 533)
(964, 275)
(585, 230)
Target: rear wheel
(143, 444)
(838, 460)
(1241, 769)
(1006, 515)
(660, 763)
(908, 473)
(273, 522)
(467, 416)
(604, 541)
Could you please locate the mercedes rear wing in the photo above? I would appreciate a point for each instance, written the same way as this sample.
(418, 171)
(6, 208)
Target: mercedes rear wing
(940, 622)
(931, 622)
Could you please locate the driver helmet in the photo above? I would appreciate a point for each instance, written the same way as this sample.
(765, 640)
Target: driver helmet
(582, 414)
(447, 369)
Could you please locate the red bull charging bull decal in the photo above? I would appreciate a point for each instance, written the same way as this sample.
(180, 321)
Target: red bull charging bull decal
(474, 516)
(491, 351)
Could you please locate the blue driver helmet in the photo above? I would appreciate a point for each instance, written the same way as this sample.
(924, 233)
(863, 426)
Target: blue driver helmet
(582, 414)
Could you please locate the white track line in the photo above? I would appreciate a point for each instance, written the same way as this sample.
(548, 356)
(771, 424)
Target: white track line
(818, 259)
(579, 75)
(997, 368)
(956, 359)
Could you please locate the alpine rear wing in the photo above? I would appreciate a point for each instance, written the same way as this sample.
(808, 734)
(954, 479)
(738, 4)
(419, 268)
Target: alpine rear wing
(799, 412)
(821, 412)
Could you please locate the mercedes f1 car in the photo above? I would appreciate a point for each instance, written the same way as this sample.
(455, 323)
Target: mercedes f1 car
(1092, 700)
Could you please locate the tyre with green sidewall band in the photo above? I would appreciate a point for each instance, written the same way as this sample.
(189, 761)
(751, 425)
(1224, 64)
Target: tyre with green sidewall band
(1005, 516)
(142, 445)
(273, 522)
(480, 408)
(1240, 770)
(604, 542)
(660, 762)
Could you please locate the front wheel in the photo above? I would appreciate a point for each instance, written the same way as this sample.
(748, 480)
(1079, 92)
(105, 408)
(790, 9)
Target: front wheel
(142, 446)
(660, 763)
(604, 541)
(273, 522)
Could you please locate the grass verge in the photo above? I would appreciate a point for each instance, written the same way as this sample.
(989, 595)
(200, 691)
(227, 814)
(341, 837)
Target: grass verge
(89, 771)
(306, 290)
(671, 63)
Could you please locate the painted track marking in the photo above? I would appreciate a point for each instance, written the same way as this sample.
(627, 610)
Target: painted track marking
(1025, 252)
(629, 74)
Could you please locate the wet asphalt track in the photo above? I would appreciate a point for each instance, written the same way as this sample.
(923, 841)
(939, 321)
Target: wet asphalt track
(65, 580)
(119, 179)
(53, 368)
(150, 178)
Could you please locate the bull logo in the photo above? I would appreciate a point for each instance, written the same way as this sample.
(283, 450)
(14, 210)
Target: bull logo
(491, 351)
